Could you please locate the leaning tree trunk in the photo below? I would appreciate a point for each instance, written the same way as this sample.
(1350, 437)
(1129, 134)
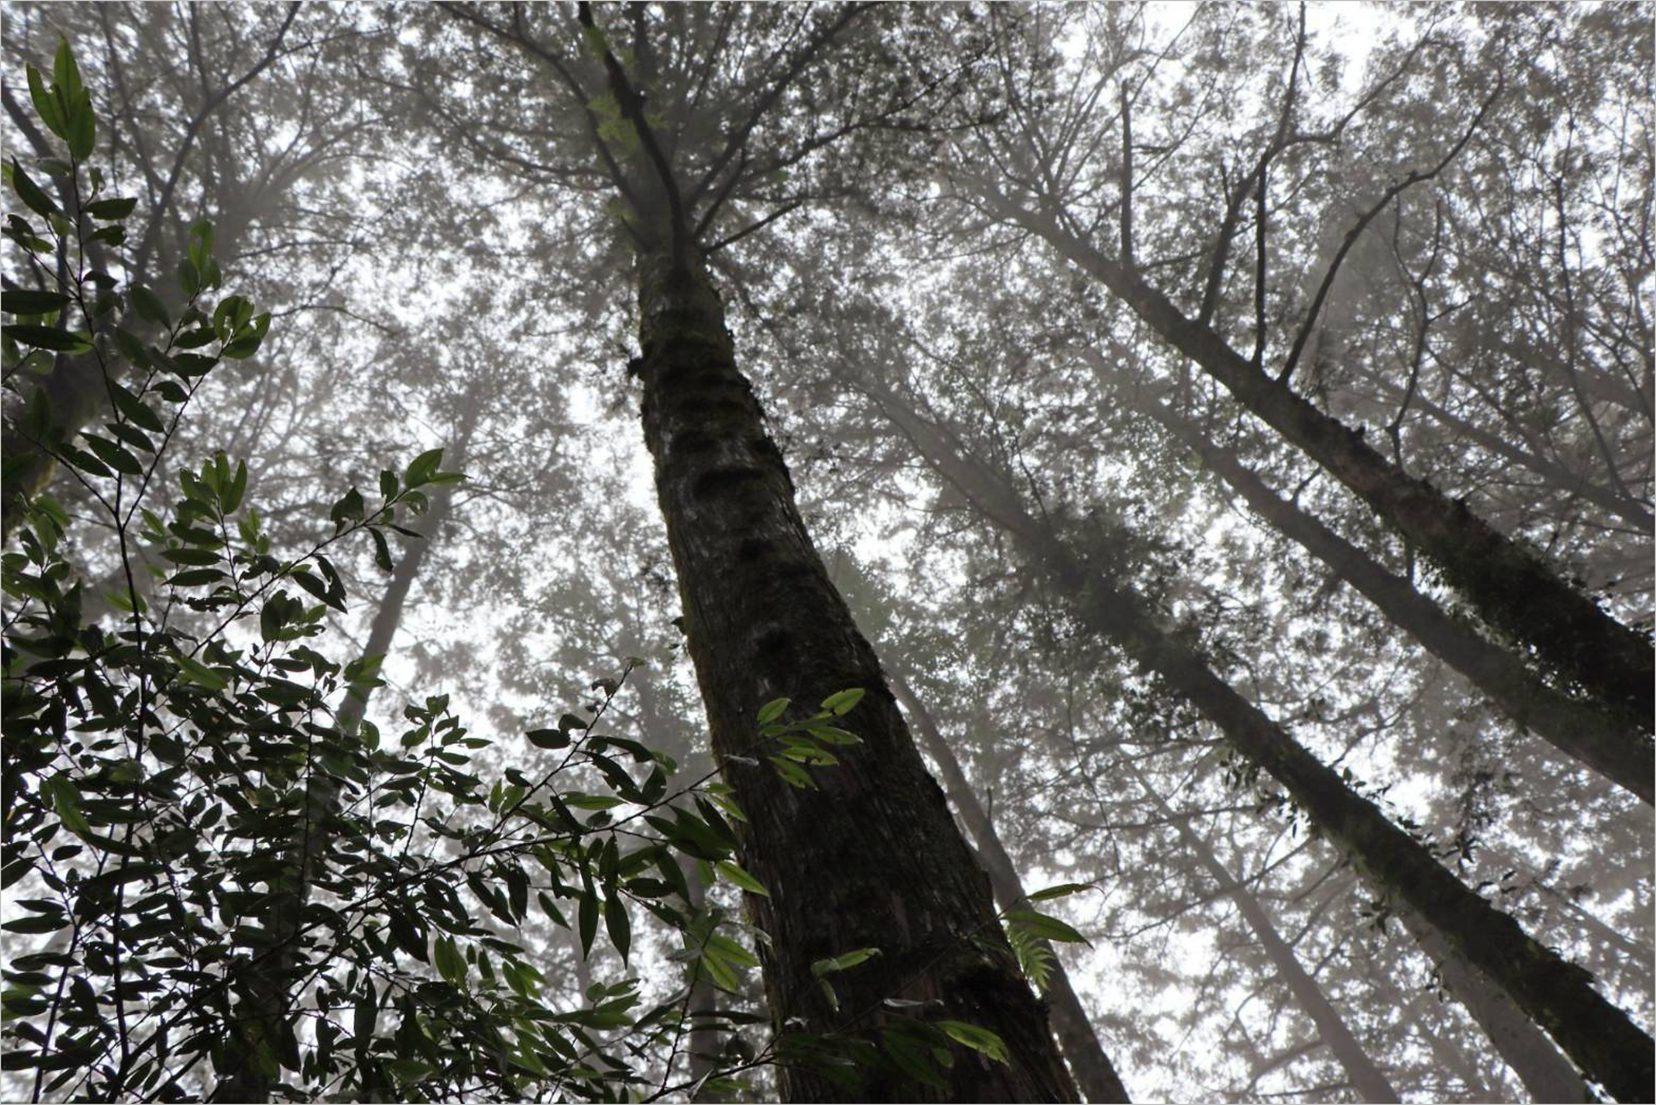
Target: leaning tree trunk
(1557, 995)
(1366, 1078)
(1546, 1074)
(1502, 579)
(1094, 1073)
(869, 856)
(268, 988)
(1609, 741)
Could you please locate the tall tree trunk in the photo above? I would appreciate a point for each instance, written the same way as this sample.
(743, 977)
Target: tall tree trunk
(1502, 579)
(1450, 1056)
(703, 1042)
(869, 856)
(1366, 1078)
(1094, 1073)
(655, 729)
(1558, 995)
(1610, 742)
(1546, 1074)
(267, 992)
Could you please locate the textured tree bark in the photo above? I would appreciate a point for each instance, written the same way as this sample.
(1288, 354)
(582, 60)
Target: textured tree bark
(1094, 1073)
(1546, 1074)
(1610, 742)
(1366, 1078)
(1503, 580)
(267, 991)
(1557, 995)
(871, 857)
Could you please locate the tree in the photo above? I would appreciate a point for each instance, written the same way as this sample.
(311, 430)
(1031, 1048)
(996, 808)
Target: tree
(1506, 582)
(1555, 993)
(763, 622)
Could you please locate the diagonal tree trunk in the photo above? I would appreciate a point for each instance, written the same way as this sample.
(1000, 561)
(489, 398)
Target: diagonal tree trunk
(869, 856)
(1502, 579)
(1546, 1074)
(1094, 1073)
(1556, 994)
(1366, 1078)
(1609, 742)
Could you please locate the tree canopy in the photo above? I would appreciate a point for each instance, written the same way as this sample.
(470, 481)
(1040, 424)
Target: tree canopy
(828, 551)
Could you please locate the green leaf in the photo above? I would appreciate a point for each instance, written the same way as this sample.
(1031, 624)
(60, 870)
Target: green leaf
(247, 341)
(742, 879)
(197, 672)
(111, 208)
(1063, 890)
(772, 710)
(48, 337)
(843, 962)
(30, 192)
(422, 468)
(65, 798)
(149, 305)
(978, 1039)
(448, 960)
(588, 920)
(236, 489)
(1048, 928)
(45, 104)
(548, 738)
(618, 924)
(840, 703)
(24, 301)
(362, 1020)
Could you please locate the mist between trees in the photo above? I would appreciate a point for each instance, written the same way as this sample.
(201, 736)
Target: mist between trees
(896, 552)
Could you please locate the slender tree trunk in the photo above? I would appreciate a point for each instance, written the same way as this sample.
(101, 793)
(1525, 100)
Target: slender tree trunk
(1450, 1056)
(703, 1042)
(1546, 1074)
(1366, 1078)
(1610, 742)
(1558, 995)
(869, 856)
(268, 992)
(1094, 1073)
(1502, 579)
(654, 729)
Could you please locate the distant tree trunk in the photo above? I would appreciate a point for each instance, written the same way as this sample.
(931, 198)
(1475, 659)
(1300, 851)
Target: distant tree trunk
(1502, 579)
(654, 729)
(267, 992)
(703, 1042)
(1094, 1073)
(1556, 994)
(1610, 742)
(1546, 1074)
(1366, 1078)
(1451, 1057)
(870, 857)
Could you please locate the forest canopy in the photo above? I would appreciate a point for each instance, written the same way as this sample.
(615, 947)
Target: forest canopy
(828, 551)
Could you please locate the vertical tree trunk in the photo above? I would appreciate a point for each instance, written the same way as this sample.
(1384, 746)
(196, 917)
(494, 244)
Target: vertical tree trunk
(1366, 1078)
(1502, 579)
(703, 1042)
(267, 992)
(1610, 742)
(1558, 995)
(1546, 1074)
(1094, 1073)
(870, 856)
